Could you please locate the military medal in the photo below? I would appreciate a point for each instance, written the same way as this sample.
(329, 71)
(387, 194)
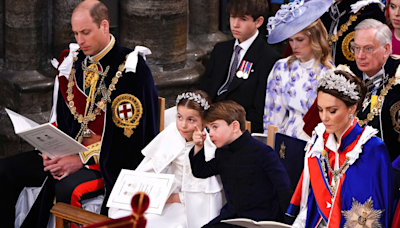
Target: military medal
(244, 69)
(239, 74)
(86, 133)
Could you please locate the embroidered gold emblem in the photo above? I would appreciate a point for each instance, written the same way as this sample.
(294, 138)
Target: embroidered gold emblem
(346, 46)
(93, 151)
(362, 215)
(395, 114)
(127, 111)
(282, 151)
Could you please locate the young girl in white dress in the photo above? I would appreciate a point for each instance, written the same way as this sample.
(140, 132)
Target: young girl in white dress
(194, 202)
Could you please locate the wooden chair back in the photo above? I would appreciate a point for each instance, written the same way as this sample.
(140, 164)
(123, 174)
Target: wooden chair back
(161, 108)
(248, 126)
(272, 129)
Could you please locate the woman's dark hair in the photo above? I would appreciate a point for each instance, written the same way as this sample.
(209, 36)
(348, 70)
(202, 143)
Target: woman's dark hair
(194, 104)
(360, 88)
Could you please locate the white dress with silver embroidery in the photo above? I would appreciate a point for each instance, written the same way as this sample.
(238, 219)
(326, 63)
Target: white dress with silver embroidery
(290, 93)
(201, 199)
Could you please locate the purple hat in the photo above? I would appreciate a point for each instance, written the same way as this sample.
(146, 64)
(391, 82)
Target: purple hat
(293, 17)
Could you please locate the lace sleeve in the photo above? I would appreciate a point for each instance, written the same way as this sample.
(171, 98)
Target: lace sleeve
(300, 221)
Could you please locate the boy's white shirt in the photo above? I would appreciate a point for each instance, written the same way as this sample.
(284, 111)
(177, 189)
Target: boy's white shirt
(245, 45)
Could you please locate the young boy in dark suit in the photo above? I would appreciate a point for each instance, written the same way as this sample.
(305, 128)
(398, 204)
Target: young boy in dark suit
(255, 182)
(238, 69)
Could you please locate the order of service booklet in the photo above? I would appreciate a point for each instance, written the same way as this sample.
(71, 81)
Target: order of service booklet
(156, 186)
(45, 137)
(253, 224)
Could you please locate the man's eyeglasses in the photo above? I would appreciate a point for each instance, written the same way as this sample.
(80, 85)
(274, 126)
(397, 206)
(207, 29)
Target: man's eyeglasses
(355, 49)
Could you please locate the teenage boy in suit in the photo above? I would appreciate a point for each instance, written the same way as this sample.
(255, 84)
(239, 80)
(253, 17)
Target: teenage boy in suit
(238, 69)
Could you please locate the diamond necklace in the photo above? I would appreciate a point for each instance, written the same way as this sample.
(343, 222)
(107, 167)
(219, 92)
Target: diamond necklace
(336, 174)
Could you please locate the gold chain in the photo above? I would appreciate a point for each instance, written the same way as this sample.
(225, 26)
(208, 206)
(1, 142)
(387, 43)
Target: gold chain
(378, 104)
(91, 112)
(344, 27)
(336, 174)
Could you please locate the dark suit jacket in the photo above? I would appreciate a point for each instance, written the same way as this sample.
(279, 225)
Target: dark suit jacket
(250, 93)
(255, 182)
(389, 114)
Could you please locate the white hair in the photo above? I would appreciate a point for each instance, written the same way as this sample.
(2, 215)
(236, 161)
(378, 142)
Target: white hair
(383, 33)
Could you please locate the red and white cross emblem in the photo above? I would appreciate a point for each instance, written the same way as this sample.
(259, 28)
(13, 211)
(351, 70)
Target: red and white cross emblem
(125, 111)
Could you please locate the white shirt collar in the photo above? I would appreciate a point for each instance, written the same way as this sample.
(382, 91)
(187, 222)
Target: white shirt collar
(307, 65)
(245, 45)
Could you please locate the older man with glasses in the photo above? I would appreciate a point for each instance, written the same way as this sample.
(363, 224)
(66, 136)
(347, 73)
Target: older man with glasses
(372, 47)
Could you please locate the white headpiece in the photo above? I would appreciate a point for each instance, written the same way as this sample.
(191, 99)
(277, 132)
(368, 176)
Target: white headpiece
(330, 80)
(195, 97)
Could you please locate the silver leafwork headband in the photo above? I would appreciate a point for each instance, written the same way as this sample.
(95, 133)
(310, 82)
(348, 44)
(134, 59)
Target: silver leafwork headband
(195, 97)
(330, 80)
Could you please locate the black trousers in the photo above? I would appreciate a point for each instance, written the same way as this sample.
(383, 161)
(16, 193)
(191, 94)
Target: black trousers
(27, 170)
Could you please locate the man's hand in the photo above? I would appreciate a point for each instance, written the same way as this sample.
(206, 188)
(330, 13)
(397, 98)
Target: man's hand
(198, 138)
(62, 167)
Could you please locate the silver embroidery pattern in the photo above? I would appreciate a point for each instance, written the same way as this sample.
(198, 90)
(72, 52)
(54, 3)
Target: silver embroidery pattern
(362, 215)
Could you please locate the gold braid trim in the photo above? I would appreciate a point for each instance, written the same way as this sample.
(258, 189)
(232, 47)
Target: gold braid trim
(377, 107)
(93, 151)
(344, 27)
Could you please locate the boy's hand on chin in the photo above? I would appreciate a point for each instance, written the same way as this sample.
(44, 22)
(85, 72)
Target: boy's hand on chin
(198, 139)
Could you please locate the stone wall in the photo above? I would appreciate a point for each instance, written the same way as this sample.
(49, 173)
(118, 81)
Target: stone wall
(32, 34)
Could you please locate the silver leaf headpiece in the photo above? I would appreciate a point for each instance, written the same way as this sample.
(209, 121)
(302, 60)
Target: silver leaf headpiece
(330, 80)
(195, 97)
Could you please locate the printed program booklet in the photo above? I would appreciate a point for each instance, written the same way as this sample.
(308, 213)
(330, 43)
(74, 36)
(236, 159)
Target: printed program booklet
(157, 186)
(253, 224)
(45, 137)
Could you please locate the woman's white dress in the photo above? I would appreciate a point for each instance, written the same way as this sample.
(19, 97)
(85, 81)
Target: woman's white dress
(201, 199)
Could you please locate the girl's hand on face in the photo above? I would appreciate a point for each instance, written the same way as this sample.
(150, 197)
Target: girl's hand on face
(198, 139)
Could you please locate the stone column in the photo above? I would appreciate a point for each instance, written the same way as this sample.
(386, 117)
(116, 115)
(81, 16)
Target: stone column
(24, 88)
(203, 28)
(161, 25)
(1, 35)
(194, 52)
(62, 31)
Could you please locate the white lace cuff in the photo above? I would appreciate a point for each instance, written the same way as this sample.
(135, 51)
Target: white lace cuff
(182, 197)
(300, 221)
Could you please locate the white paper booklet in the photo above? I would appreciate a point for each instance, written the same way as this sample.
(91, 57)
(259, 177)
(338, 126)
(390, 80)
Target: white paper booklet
(46, 138)
(129, 182)
(253, 224)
